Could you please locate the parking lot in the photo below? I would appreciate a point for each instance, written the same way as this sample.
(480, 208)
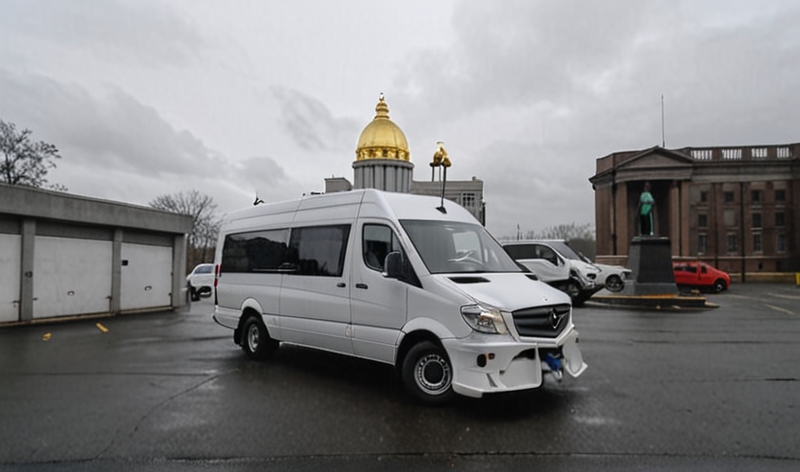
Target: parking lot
(669, 390)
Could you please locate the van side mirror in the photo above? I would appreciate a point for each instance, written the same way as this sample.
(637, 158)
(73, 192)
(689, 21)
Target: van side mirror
(393, 265)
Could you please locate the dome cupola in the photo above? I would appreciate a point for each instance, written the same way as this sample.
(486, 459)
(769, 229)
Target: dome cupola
(381, 138)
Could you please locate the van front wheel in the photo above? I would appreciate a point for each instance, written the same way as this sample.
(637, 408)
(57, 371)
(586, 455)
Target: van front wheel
(256, 342)
(428, 374)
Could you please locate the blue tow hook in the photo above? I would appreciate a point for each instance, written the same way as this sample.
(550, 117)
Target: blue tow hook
(555, 366)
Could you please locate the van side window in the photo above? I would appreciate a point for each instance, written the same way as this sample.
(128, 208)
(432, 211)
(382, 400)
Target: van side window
(378, 240)
(319, 250)
(256, 251)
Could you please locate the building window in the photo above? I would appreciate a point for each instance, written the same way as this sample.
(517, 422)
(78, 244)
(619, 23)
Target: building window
(729, 218)
(759, 153)
(780, 219)
(731, 242)
(756, 220)
(702, 220)
(757, 242)
(781, 246)
(728, 197)
(702, 154)
(701, 243)
(731, 154)
(780, 195)
(756, 197)
(703, 196)
(468, 200)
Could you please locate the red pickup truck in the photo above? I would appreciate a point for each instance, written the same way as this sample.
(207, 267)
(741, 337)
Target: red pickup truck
(700, 274)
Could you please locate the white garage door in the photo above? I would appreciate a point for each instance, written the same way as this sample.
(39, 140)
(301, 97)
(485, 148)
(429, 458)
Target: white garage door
(10, 260)
(146, 276)
(71, 277)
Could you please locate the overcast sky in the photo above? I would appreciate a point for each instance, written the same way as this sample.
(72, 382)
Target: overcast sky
(151, 97)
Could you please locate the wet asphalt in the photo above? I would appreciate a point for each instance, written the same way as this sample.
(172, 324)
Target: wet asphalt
(711, 389)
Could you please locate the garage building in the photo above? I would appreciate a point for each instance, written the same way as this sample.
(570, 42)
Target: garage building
(65, 255)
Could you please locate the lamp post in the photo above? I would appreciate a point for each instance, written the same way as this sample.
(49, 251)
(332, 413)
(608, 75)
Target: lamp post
(441, 160)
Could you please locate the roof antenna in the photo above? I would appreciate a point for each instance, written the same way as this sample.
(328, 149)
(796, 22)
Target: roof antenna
(257, 201)
(440, 159)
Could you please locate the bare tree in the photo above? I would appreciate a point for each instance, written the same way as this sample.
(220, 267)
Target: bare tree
(564, 231)
(579, 236)
(203, 238)
(25, 162)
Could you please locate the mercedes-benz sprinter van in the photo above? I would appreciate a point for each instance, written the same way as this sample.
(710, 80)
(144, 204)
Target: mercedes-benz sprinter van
(408, 280)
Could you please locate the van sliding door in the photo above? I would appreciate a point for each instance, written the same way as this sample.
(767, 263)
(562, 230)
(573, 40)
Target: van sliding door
(315, 302)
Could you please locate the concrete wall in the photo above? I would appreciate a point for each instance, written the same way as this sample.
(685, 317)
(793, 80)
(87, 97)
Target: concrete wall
(68, 255)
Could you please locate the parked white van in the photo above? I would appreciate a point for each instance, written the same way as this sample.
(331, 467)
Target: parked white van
(395, 278)
(556, 263)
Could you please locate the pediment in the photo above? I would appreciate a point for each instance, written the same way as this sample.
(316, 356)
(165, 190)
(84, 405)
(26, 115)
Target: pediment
(656, 158)
(655, 163)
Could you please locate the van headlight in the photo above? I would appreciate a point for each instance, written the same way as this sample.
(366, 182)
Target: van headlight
(483, 319)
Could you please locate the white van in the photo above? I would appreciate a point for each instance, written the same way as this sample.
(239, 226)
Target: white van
(556, 263)
(395, 278)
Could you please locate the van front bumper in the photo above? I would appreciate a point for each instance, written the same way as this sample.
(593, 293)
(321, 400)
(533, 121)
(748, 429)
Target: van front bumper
(483, 364)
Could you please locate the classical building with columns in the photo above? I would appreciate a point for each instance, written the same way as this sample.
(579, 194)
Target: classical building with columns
(383, 161)
(737, 208)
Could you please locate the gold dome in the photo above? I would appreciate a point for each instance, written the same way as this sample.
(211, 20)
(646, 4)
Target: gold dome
(382, 139)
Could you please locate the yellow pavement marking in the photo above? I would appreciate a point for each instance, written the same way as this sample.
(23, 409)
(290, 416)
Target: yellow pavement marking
(46, 337)
(101, 328)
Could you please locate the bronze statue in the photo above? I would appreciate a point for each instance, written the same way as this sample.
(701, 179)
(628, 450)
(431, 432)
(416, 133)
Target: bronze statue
(645, 210)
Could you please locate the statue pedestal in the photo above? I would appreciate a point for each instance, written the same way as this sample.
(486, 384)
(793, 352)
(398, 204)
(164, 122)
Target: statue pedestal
(650, 260)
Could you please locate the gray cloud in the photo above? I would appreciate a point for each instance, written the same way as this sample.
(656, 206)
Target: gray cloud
(114, 30)
(589, 78)
(113, 131)
(526, 94)
(311, 124)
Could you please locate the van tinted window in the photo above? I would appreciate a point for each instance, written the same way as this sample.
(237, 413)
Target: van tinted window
(319, 250)
(379, 240)
(256, 251)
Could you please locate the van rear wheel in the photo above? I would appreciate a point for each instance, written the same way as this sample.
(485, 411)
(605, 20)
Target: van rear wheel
(428, 374)
(256, 342)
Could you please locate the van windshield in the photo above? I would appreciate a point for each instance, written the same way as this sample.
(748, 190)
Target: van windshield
(448, 247)
(565, 250)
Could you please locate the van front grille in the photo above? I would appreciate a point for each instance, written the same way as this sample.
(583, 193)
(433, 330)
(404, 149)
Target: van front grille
(542, 322)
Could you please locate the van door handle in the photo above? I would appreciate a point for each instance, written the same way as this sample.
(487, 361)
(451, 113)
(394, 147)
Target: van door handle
(364, 286)
(341, 285)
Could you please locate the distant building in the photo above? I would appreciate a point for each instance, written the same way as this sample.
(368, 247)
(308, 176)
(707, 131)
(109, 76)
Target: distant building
(383, 161)
(735, 207)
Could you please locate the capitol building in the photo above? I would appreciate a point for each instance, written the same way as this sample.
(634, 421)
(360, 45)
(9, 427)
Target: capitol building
(383, 162)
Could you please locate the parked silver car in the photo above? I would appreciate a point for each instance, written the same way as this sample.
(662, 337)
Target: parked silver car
(200, 281)
(614, 277)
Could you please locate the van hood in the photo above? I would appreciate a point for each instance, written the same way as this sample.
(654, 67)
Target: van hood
(507, 291)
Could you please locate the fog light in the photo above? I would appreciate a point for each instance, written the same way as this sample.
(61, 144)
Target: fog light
(481, 360)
